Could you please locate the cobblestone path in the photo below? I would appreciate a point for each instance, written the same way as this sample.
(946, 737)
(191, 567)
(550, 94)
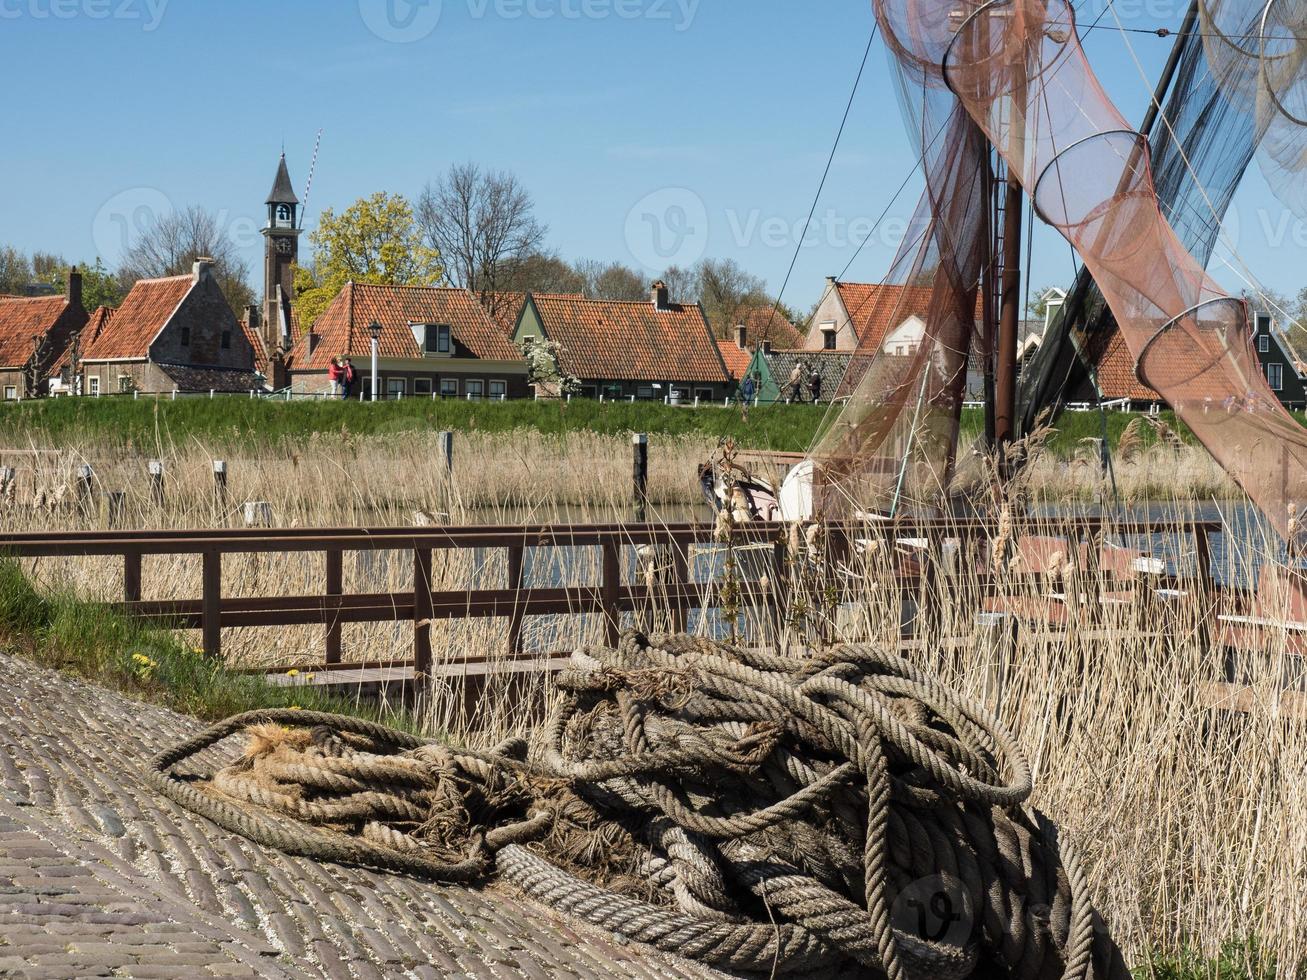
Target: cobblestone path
(99, 877)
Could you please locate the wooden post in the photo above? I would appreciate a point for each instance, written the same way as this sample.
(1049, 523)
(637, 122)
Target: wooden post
(85, 488)
(640, 475)
(115, 505)
(516, 560)
(220, 488)
(211, 603)
(446, 441)
(335, 588)
(155, 469)
(680, 584)
(612, 583)
(132, 576)
(422, 611)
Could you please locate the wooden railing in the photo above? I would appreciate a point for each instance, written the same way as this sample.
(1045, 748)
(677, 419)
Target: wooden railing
(610, 596)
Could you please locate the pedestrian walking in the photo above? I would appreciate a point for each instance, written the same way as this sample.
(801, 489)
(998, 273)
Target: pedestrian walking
(814, 383)
(747, 389)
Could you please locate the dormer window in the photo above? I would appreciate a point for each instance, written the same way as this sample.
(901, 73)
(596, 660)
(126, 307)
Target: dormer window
(437, 339)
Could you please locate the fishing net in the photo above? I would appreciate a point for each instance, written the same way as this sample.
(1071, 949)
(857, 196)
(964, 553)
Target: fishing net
(1018, 69)
(890, 448)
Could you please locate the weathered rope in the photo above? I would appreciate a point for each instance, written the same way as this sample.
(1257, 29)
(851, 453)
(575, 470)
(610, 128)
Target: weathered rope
(842, 813)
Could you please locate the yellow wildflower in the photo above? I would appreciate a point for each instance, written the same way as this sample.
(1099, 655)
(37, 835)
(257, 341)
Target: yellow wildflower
(292, 672)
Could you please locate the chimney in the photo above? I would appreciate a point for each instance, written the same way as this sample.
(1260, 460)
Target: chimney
(741, 336)
(766, 347)
(252, 316)
(660, 300)
(203, 267)
(313, 342)
(74, 291)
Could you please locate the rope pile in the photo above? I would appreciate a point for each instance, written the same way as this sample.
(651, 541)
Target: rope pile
(755, 812)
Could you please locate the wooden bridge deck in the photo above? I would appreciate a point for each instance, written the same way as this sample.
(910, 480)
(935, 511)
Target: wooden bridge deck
(100, 877)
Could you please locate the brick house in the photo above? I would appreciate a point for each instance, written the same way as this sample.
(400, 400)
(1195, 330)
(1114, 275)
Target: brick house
(34, 333)
(433, 341)
(173, 334)
(647, 350)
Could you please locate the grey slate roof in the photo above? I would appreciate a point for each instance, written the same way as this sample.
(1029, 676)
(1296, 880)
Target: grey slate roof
(830, 365)
(188, 378)
(282, 191)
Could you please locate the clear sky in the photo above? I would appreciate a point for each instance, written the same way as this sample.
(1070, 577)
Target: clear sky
(715, 115)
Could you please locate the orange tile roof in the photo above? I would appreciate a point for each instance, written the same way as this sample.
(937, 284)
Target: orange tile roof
(20, 320)
(631, 340)
(877, 308)
(95, 325)
(503, 308)
(761, 323)
(135, 324)
(736, 359)
(1116, 373)
(343, 327)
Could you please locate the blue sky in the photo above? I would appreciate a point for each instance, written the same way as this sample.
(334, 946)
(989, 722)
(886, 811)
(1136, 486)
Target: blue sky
(715, 114)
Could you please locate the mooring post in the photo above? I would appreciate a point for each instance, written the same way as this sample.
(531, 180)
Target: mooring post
(446, 441)
(422, 612)
(681, 584)
(640, 474)
(220, 487)
(211, 603)
(155, 470)
(115, 505)
(85, 488)
(335, 588)
(132, 576)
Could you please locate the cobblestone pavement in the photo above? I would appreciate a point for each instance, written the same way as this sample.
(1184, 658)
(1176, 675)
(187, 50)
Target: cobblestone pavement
(100, 877)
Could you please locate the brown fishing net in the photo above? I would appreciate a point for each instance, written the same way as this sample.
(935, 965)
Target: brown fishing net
(1018, 70)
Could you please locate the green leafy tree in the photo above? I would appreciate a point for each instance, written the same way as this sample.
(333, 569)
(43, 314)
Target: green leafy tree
(100, 287)
(375, 240)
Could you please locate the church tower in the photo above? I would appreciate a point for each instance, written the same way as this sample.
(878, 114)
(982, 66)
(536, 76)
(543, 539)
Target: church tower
(281, 251)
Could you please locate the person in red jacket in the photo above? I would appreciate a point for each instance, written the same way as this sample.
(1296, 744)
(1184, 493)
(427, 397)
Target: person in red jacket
(333, 375)
(346, 377)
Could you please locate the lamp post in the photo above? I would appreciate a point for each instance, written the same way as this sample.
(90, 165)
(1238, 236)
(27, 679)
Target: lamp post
(375, 330)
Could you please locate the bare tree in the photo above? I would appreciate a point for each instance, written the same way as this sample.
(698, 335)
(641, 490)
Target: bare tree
(540, 272)
(611, 280)
(727, 292)
(682, 284)
(15, 270)
(482, 224)
(171, 245)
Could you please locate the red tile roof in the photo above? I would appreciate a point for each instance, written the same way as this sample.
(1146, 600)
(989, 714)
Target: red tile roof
(736, 359)
(342, 329)
(767, 323)
(631, 341)
(504, 308)
(95, 325)
(877, 308)
(135, 324)
(20, 320)
(1116, 373)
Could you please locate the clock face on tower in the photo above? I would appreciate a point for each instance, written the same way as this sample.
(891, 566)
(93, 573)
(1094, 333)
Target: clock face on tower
(285, 246)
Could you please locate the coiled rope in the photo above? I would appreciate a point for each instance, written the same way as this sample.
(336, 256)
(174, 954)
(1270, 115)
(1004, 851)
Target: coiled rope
(755, 812)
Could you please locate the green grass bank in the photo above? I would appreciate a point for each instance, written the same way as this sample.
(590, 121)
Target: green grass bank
(147, 424)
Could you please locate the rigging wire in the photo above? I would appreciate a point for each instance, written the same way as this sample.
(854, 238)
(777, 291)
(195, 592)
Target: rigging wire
(830, 160)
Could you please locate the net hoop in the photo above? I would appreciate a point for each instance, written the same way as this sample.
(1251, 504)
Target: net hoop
(1140, 373)
(1265, 59)
(1140, 147)
(967, 22)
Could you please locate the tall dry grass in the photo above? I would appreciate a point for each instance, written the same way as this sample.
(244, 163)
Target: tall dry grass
(1190, 820)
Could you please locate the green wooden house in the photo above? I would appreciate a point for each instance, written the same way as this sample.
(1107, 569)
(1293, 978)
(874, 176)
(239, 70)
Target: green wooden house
(772, 370)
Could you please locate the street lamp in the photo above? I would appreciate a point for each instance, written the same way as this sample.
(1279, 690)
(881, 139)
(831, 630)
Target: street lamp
(375, 330)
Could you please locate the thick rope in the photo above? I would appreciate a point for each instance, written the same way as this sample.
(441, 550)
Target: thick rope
(844, 813)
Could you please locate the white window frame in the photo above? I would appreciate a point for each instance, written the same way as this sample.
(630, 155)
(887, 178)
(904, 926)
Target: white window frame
(396, 386)
(124, 383)
(645, 393)
(474, 389)
(11, 393)
(449, 387)
(93, 384)
(502, 394)
(1263, 343)
(423, 386)
(444, 340)
(1275, 376)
